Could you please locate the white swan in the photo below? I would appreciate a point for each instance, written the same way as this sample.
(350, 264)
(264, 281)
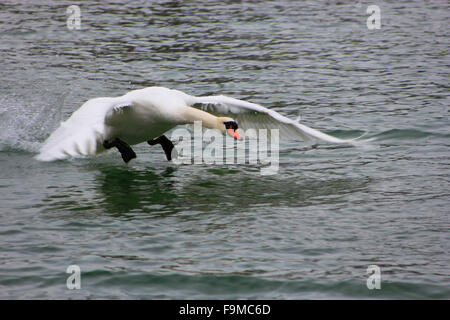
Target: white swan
(146, 114)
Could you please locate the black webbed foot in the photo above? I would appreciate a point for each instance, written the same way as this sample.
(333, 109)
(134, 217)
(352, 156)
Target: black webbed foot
(124, 149)
(165, 143)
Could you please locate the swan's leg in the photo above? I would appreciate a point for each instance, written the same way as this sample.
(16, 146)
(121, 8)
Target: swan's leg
(124, 149)
(165, 143)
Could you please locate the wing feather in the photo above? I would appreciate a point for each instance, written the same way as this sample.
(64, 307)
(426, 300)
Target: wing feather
(83, 133)
(254, 116)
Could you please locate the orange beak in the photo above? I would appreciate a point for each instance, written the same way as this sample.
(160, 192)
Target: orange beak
(234, 133)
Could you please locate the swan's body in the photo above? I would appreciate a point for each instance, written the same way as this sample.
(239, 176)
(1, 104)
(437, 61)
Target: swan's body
(145, 114)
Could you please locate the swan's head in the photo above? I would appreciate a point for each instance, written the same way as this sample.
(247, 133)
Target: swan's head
(228, 125)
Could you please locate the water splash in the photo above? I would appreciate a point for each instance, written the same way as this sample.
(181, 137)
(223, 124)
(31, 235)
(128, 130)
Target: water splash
(27, 119)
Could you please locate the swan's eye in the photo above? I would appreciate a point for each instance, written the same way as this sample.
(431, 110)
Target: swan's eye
(231, 125)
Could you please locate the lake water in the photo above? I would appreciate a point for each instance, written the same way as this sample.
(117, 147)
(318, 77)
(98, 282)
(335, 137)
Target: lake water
(153, 229)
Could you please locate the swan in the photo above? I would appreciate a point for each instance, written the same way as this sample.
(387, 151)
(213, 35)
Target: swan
(144, 115)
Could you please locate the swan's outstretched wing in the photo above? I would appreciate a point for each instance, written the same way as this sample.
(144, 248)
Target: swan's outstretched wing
(253, 116)
(83, 133)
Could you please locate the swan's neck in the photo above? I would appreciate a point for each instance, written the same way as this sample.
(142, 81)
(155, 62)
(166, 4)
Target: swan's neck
(208, 120)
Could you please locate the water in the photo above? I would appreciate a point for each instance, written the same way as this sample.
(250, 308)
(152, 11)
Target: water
(152, 229)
